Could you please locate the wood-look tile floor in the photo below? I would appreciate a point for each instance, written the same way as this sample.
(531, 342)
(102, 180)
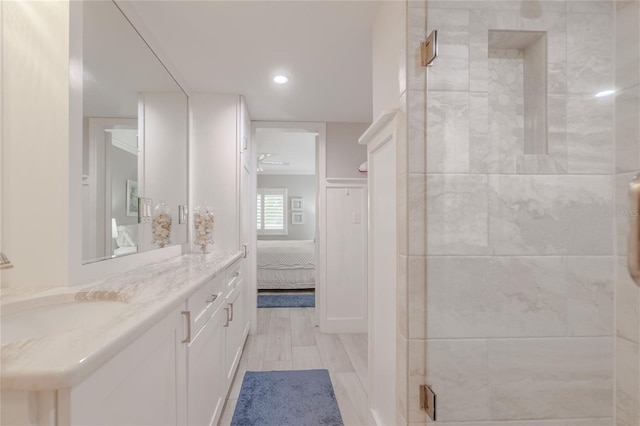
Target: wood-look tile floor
(287, 340)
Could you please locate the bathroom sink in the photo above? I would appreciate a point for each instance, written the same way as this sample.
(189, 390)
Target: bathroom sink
(29, 322)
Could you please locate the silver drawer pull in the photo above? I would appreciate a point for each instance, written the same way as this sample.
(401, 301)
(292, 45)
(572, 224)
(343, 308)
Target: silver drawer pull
(231, 306)
(634, 231)
(187, 315)
(226, 318)
(236, 274)
(213, 298)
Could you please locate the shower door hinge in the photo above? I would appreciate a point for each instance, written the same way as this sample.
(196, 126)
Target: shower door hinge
(428, 401)
(429, 49)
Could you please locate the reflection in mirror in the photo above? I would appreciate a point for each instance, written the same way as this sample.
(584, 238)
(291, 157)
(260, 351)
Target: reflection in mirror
(135, 136)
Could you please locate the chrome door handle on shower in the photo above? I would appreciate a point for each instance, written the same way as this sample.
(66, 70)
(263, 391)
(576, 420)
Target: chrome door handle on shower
(634, 230)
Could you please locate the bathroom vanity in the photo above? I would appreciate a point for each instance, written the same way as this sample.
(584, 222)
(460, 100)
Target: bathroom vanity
(167, 356)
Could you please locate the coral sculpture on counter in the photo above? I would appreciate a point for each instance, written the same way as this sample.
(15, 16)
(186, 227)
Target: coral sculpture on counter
(203, 227)
(161, 225)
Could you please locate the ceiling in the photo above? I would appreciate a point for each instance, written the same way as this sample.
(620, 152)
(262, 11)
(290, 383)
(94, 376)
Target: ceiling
(296, 148)
(324, 47)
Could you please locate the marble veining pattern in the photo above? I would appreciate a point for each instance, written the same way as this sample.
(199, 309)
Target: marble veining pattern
(627, 112)
(458, 373)
(627, 304)
(589, 134)
(533, 296)
(550, 378)
(506, 106)
(549, 214)
(521, 257)
(448, 132)
(589, 56)
(452, 72)
(627, 382)
(622, 211)
(457, 214)
(627, 51)
(152, 291)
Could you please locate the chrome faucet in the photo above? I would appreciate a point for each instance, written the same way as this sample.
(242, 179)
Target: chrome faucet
(5, 263)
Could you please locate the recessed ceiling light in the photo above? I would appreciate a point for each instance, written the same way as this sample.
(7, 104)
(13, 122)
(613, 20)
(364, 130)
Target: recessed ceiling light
(605, 93)
(280, 79)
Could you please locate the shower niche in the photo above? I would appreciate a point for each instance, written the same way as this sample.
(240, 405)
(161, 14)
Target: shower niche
(517, 95)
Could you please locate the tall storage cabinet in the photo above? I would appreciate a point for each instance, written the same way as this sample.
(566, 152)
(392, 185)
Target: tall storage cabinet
(221, 173)
(218, 136)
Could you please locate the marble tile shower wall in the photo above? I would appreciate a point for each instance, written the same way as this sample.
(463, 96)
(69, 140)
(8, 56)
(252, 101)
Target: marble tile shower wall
(521, 263)
(627, 125)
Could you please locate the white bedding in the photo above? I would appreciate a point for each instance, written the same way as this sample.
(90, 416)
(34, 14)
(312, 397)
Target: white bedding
(286, 264)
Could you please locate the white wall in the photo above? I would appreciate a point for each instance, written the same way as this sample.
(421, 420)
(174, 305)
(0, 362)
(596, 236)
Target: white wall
(389, 52)
(35, 134)
(344, 154)
(124, 165)
(346, 259)
(298, 186)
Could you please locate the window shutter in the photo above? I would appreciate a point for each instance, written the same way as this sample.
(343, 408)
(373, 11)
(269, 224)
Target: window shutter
(273, 212)
(259, 211)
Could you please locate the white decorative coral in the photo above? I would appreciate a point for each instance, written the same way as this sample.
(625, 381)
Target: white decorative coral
(161, 225)
(203, 227)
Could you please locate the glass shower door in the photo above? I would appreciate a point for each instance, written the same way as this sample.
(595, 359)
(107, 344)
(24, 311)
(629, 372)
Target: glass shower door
(532, 139)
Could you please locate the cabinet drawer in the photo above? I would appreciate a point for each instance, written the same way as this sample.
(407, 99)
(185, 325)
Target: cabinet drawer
(234, 274)
(204, 302)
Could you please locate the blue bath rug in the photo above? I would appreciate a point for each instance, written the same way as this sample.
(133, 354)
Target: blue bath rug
(286, 300)
(287, 398)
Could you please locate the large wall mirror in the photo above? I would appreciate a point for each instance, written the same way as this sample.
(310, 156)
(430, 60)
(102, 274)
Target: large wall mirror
(134, 139)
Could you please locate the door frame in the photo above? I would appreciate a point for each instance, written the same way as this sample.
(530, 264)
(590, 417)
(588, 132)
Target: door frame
(320, 129)
(98, 176)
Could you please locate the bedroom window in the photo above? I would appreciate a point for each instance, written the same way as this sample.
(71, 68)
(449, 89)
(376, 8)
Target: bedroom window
(271, 211)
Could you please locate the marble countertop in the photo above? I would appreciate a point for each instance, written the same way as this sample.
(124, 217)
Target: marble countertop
(150, 293)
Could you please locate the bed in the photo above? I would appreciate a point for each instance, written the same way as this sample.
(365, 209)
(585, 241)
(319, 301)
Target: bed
(284, 264)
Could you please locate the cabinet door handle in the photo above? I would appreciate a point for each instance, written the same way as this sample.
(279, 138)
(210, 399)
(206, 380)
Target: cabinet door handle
(187, 315)
(213, 298)
(236, 274)
(634, 230)
(226, 318)
(231, 306)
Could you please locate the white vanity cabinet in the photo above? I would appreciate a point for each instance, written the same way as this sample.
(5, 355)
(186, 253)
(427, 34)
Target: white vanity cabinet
(219, 328)
(141, 385)
(237, 308)
(178, 372)
(206, 384)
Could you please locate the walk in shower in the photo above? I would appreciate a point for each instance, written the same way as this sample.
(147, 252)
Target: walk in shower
(532, 138)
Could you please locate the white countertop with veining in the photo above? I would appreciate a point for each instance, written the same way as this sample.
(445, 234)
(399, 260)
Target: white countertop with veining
(150, 292)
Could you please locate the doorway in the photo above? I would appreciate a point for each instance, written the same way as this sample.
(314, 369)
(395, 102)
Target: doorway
(287, 164)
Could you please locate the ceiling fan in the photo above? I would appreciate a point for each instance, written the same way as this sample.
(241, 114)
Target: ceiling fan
(263, 159)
